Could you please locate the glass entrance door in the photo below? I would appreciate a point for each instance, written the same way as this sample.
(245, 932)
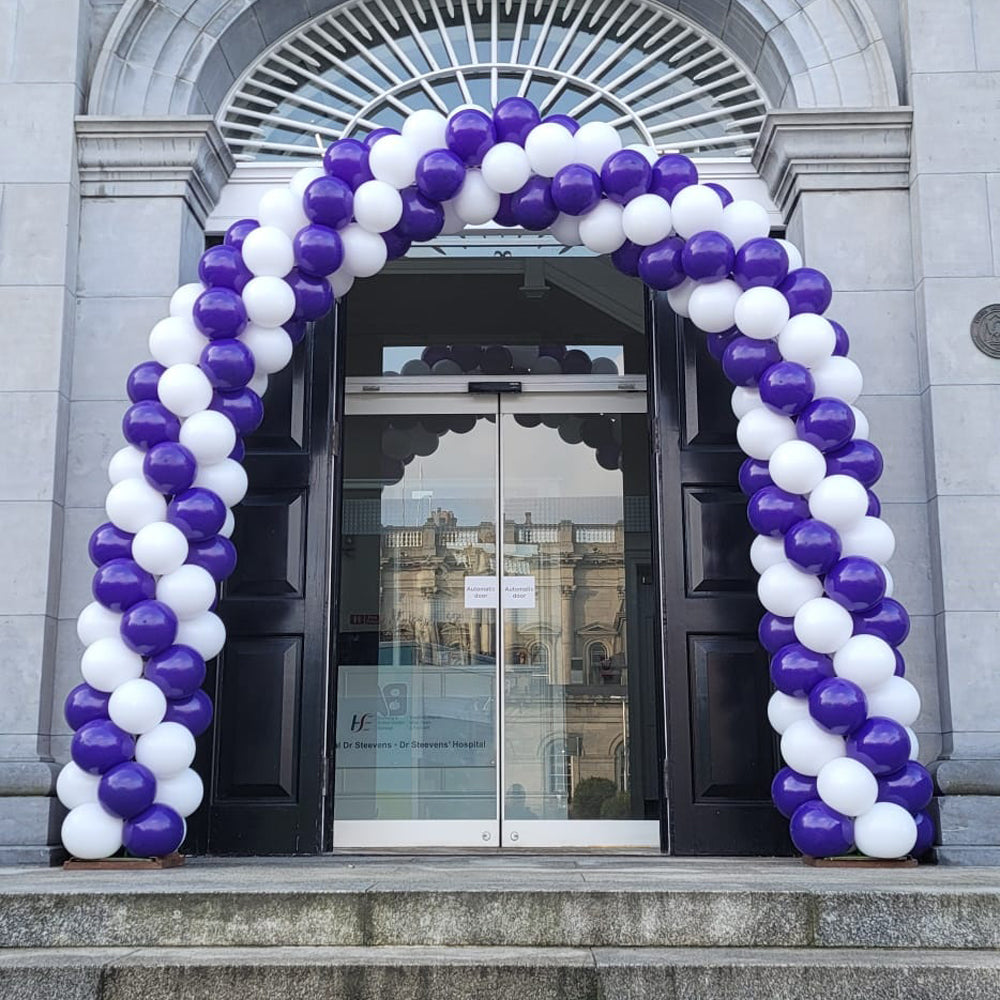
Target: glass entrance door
(493, 668)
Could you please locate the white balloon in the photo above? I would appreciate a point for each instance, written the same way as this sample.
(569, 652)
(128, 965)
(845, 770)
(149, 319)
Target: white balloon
(98, 622)
(301, 179)
(205, 634)
(189, 591)
(227, 526)
(166, 750)
(886, 831)
(227, 479)
(761, 430)
(183, 792)
(267, 251)
(861, 428)
(74, 786)
(640, 147)
(271, 348)
(744, 220)
(378, 206)
(505, 167)
(160, 547)
(841, 501)
(601, 228)
(566, 229)
(184, 389)
(281, 208)
(175, 340)
(712, 306)
(183, 300)
(594, 143)
(133, 503)
(807, 339)
(895, 699)
(549, 147)
(107, 663)
(137, 706)
(453, 224)
(784, 588)
(797, 466)
(341, 281)
(424, 130)
(90, 832)
(871, 537)
(823, 625)
(762, 313)
(365, 253)
(695, 209)
(209, 436)
(807, 747)
(794, 256)
(476, 202)
(258, 383)
(679, 297)
(847, 786)
(914, 743)
(783, 710)
(744, 399)
(647, 219)
(890, 584)
(838, 378)
(393, 159)
(766, 552)
(269, 300)
(468, 107)
(865, 660)
(126, 463)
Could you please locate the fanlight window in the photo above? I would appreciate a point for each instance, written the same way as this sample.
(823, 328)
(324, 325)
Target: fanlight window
(369, 63)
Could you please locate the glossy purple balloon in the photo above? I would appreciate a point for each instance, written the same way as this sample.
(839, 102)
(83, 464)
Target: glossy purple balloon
(708, 256)
(626, 175)
(860, 459)
(789, 790)
(900, 670)
(926, 834)
(855, 583)
(838, 705)
(881, 744)
(217, 555)
(422, 218)
(725, 195)
(223, 267)
(807, 291)
(243, 407)
(533, 206)
(626, 258)
(143, 381)
(826, 423)
(219, 312)
(570, 124)
(149, 627)
(660, 265)
(771, 511)
(99, 745)
(108, 542)
(775, 631)
(745, 360)
(120, 583)
(127, 789)
(238, 232)
(843, 344)
(912, 787)
(396, 244)
(329, 201)
(821, 832)
(379, 133)
(754, 476)
(787, 388)
(888, 620)
(796, 670)
(169, 467)
(149, 422)
(178, 671)
(347, 160)
(84, 704)
(470, 134)
(874, 505)
(313, 296)
(812, 546)
(198, 512)
(239, 451)
(761, 262)
(194, 712)
(716, 343)
(153, 833)
(576, 189)
(514, 118)
(319, 250)
(440, 174)
(228, 364)
(296, 330)
(672, 173)
(505, 213)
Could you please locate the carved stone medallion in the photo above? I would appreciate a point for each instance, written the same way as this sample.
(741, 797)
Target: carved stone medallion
(986, 330)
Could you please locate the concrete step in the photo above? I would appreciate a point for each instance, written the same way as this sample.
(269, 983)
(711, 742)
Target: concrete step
(434, 973)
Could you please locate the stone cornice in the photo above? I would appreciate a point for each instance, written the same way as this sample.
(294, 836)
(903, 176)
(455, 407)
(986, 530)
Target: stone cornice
(833, 149)
(177, 156)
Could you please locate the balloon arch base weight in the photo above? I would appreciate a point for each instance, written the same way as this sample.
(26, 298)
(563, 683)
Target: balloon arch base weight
(859, 861)
(174, 860)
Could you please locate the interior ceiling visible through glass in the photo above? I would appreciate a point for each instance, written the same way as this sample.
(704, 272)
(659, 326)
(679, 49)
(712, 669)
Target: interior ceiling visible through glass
(370, 63)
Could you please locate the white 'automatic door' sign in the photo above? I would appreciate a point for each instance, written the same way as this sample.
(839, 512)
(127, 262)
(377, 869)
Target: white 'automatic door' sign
(481, 591)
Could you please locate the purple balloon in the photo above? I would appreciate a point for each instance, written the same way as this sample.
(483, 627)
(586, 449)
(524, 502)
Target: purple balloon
(154, 833)
(838, 705)
(396, 244)
(223, 267)
(533, 206)
(228, 364)
(219, 312)
(807, 291)
(874, 505)
(725, 195)
(149, 422)
(821, 832)
(169, 467)
(660, 264)
(900, 670)
(826, 423)
(761, 262)
(812, 546)
(108, 542)
(422, 218)
(708, 256)
(787, 388)
(626, 258)
(796, 670)
(238, 232)
(239, 451)
(144, 380)
(912, 787)
(514, 118)
(745, 360)
(855, 583)
(716, 343)
(570, 124)
(127, 789)
(296, 330)
(149, 627)
(319, 250)
(329, 201)
(243, 407)
(860, 459)
(379, 133)
(925, 835)
(178, 671)
(789, 790)
(888, 620)
(440, 174)
(843, 341)
(775, 631)
(347, 160)
(754, 476)
(672, 173)
(198, 512)
(881, 744)
(194, 712)
(84, 704)
(470, 134)
(771, 511)
(313, 296)
(99, 745)
(120, 583)
(217, 555)
(576, 189)
(626, 175)
(505, 213)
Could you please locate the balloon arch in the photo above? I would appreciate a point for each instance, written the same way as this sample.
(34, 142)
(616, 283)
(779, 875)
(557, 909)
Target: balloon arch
(842, 705)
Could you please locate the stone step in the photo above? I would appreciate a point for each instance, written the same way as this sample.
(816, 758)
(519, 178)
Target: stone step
(434, 973)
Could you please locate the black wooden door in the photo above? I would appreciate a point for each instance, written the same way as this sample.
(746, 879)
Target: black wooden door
(720, 750)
